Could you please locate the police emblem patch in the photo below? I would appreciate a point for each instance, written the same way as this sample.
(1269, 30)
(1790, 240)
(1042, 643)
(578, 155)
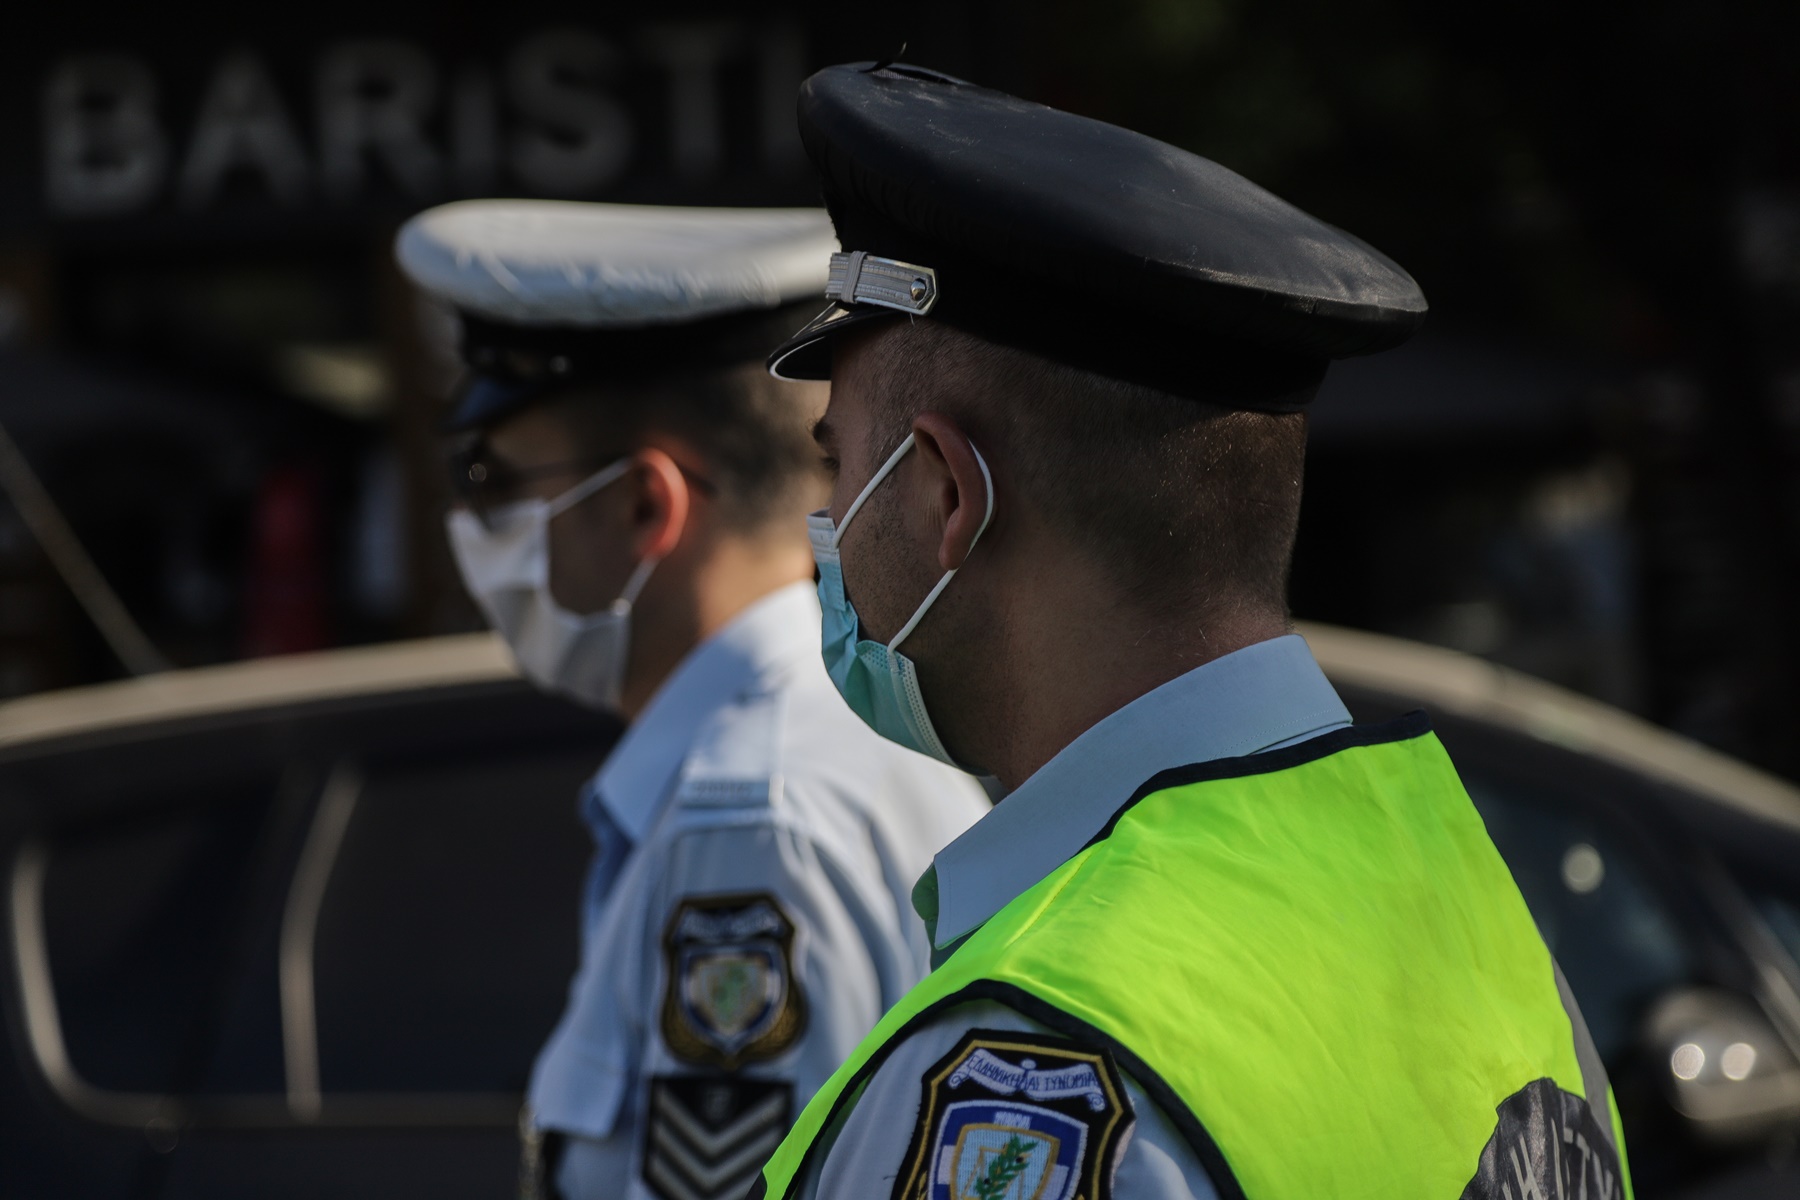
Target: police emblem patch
(730, 996)
(1546, 1143)
(707, 1137)
(1007, 1118)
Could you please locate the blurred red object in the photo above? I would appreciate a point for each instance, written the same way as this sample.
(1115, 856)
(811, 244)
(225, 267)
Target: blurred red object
(285, 609)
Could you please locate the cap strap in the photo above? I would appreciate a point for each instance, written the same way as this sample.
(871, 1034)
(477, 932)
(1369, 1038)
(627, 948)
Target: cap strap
(862, 278)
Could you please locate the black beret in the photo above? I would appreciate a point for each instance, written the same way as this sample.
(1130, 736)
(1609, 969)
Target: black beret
(1082, 241)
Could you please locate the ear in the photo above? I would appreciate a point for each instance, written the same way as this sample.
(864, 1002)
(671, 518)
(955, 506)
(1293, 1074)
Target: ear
(661, 505)
(958, 486)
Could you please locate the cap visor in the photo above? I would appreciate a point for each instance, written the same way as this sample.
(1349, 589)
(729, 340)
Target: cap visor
(807, 354)
(487, 400)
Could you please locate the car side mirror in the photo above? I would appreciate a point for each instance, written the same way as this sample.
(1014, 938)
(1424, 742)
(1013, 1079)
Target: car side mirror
(1728, 1071)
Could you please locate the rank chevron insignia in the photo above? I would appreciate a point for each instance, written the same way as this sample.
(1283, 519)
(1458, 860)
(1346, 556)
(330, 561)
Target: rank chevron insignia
(709, 1135)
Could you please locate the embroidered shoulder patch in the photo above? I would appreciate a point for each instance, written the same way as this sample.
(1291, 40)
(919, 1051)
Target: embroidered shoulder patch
(708, 1136)
(1016, 1116)
(1546, 1142)
(730, 995)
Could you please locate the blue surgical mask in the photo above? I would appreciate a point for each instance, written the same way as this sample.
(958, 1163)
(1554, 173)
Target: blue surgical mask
(879, 683)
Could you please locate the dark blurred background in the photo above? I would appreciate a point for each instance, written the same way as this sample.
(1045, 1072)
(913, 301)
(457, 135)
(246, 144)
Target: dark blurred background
(1585, 467)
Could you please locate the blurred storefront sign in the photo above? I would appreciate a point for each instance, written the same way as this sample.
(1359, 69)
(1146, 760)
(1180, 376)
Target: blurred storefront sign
(121, 120)
(558, 112)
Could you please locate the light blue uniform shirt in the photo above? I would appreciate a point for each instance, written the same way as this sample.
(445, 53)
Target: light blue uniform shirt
(747, 916)
(1260, 698)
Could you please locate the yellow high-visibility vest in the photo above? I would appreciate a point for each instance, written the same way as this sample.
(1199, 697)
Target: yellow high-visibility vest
(1317, 964)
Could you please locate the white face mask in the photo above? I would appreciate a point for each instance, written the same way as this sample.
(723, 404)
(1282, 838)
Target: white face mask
(505, 564)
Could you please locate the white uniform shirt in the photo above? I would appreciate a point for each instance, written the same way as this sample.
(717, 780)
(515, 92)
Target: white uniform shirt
(747, 919)
(1260, 698)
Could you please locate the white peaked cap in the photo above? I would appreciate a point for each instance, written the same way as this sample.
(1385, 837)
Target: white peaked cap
(614, 266)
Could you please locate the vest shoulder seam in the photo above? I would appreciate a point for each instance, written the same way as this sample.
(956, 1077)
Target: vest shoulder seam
(1403, 728)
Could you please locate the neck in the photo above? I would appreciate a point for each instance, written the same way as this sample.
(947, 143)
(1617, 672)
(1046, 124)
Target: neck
(691, 596)
(1067, 651)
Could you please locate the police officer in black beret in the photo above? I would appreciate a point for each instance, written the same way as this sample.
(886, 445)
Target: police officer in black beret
(1218, 940)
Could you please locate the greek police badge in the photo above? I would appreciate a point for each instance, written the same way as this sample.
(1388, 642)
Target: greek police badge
(1006, 1118)
(730, 997)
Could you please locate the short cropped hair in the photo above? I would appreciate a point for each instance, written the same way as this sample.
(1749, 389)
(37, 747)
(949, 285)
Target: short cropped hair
(1191, 505)
(752, 431)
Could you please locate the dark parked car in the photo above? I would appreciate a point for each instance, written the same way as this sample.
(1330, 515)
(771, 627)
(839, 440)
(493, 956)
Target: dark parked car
(296, 928)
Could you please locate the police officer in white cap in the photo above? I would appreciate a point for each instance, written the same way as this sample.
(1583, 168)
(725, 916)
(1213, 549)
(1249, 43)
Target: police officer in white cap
(632, 490)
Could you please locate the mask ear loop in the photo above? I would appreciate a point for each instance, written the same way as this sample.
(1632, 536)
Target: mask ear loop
(869, 488)
(587, 487)
(640, 575)
(987, 478)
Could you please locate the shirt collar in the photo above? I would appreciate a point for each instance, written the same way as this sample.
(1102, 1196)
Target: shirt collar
(741, 659)
(1254, 699)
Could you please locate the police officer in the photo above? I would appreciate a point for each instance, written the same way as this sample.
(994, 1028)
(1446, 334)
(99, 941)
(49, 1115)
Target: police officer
(1218, 940)
(633, 486)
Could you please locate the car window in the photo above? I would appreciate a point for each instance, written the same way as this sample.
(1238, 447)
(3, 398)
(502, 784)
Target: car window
(1594, 903)
(449, 929)
(149, 930)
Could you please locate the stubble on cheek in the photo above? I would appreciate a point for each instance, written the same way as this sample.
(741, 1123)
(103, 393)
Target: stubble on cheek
(866, 554)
